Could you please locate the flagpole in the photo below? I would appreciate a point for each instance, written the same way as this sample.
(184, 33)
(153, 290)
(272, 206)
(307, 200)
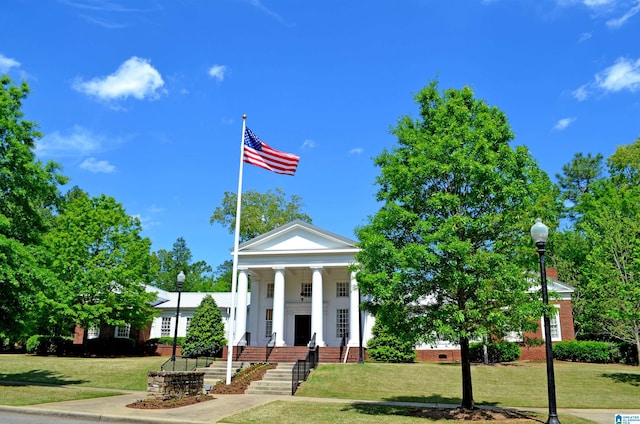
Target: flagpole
(234, 275)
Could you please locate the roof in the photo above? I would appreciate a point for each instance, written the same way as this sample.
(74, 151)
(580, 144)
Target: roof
(190, 300)
(337, 241)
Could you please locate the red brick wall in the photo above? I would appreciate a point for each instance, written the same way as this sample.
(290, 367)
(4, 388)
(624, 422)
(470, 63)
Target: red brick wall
(444, 355)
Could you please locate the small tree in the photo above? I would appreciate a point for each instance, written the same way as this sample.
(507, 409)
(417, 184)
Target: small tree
(205, 336)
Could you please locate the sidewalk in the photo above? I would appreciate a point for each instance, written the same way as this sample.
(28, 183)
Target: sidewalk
(113, 409)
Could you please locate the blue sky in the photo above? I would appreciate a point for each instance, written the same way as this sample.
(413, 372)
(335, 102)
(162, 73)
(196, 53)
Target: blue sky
(143, 100)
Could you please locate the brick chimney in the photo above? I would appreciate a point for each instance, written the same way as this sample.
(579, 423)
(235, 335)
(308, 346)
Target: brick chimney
(552, 273)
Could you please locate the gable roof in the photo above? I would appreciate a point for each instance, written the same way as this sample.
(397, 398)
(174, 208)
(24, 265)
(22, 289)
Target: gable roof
(298, 236)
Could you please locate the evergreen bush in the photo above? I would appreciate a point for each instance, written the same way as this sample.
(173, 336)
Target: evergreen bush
(586, 351)
(205, 336)
(386, 347)
(501, 351)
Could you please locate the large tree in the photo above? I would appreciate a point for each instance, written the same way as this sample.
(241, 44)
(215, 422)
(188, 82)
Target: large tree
(611, 224)
(446, 255)
(261, 212)
(578, 175)
(608, 265)
(29, 193)
(102, 264)
(166, 265)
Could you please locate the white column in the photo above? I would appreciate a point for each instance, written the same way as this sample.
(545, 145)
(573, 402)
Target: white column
(316, 306)
(278, 306)
(241, 312)
(354, 312)
(253, 314)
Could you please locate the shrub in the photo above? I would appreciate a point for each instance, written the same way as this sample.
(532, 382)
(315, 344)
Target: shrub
(586, 351)
(205, 336)
(33, 344)
(502, 351)
(386, 347)
(628, 353)
(111, 346)
(168, 340)
(48, 345)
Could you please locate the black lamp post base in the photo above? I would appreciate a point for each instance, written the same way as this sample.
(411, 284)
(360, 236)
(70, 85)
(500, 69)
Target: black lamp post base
(553, 419)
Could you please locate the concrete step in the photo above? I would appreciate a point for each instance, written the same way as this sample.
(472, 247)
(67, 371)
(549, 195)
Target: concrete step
(276, 381)
(217, 371)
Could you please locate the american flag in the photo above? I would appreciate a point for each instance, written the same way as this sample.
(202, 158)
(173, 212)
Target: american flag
(257, 152)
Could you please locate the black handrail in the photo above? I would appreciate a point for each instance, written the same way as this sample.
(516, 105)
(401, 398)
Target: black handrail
(343, 343)
(303, 367)
(312, 342)
(183, 363)
(270, 345)
(244, 341)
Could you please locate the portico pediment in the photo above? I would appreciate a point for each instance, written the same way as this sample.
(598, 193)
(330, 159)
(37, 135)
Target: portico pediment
(297, 236)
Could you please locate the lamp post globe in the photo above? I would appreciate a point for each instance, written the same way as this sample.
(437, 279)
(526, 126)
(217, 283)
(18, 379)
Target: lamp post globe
(179, 282)
(539, 234)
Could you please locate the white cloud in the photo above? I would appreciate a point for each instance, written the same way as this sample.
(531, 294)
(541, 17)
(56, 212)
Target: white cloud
(581, 93)
(97, 166)
(135, 77)
(6, 63)
(78, 142)
(618, 22)
(356, 151)
(146, 222)
(309, 144)
(584, 37)
(597, 3)
(623, 75)
(563, 123)
(618, 12)
(258, 4)
(217, 72)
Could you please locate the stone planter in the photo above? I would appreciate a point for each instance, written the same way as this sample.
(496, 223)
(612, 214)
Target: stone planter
(164, 385)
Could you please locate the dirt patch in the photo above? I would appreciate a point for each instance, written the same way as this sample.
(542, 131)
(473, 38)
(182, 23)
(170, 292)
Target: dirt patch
(475, 414)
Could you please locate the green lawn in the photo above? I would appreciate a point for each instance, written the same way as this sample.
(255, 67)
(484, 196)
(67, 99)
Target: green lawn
(352, 413)
(44, 373)
(108, 373)
(519, 384)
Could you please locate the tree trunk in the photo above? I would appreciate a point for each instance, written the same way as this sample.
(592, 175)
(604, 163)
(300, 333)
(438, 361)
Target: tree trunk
(638, 346)
(467, 388)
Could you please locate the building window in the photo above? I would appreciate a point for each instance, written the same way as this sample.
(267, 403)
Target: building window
(306, 290)
(269, 290)
(268, 323)
(188, 323)
(165, 328)
(93, 333)
(122, 331)
(342, 289)
(554, 321)
(342, 323)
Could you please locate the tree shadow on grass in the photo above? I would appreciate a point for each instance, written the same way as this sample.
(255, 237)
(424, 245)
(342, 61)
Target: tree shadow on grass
(433, 398)
(37, 378)
(449, 412)
(623, 377)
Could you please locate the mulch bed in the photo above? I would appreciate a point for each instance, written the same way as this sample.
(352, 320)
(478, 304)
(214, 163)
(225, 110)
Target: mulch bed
(169, 403)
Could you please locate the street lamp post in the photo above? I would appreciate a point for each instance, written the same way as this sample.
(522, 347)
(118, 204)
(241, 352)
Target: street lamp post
(179, 283)
(539, 234)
